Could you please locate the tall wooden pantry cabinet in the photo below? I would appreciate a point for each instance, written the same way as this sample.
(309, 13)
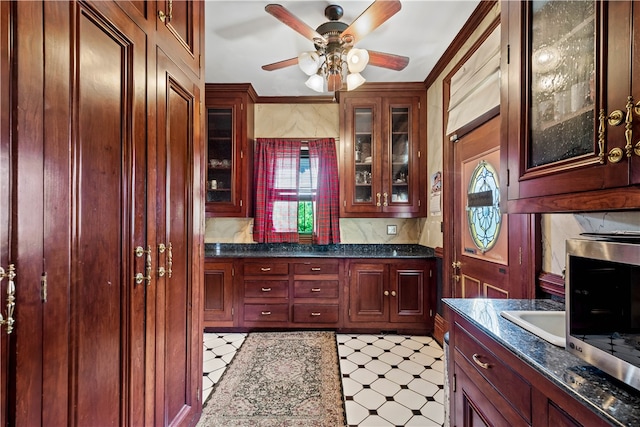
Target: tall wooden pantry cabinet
(101, 173)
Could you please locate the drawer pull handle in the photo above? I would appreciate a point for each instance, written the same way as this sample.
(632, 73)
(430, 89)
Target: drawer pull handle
(315, 289)
(315, 314)
(316, 268)
(266, 313)
(476, 358)
(266, 289)
(265, 269)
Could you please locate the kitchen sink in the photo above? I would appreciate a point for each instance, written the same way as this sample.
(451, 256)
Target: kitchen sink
(548, 325)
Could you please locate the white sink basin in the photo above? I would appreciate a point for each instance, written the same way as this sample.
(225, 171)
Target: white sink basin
(548, 325)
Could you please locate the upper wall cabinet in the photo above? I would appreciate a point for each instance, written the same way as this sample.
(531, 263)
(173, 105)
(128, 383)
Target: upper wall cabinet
(229, 118)
(570, 105)
(179, 21)
(383, 160)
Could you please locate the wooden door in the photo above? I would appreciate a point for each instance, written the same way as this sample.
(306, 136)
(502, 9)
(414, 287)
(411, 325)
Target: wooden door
(489, 246)
(368, 285)
(78, 214)
(178, 329)
(5, 195)
(408, 295)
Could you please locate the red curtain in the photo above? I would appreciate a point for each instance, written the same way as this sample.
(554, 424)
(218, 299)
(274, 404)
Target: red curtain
(324, 167)
(276, 171)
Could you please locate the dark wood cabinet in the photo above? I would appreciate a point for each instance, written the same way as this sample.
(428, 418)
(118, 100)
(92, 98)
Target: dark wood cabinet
(180, 24)
(569, 96)
(107, 330)
(316, 292)
(229, 178)
(218, 298)
(264, 294)
(491, 386)
(303, 293)
(391, 294)
(383, 152)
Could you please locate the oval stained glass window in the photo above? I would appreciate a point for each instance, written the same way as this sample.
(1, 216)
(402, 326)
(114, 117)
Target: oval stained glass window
(483, 206)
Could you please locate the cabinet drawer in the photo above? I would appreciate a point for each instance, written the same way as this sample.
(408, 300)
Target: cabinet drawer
(509, 384)
(315, 268)
(315, 313)
(315, 289)
(266, 289)
(265, 268)
(266, 312)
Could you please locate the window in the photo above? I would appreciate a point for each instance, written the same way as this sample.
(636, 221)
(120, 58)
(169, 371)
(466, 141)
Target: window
(296, 191)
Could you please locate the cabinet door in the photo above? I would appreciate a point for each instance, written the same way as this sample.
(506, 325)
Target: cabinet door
(409, 293)
(229, 182)
(559, 79)
(471, 407)
(177, 328)
(180, 27)
(401, 172)
(368, 292)
(218, 293)
(362, 157)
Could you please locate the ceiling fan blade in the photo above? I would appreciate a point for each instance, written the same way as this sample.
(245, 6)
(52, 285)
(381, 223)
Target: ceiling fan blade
(280, 64)
(372, 18)
(293, 22)
(387, 60)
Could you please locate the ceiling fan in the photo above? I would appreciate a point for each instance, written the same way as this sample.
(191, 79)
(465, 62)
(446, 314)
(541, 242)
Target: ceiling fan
(335, 56)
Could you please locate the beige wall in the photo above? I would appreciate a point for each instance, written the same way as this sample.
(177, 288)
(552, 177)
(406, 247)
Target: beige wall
(431, 234)
(309, 121)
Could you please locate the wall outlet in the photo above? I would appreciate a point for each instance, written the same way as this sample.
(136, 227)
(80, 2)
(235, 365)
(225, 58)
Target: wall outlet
(392, 229)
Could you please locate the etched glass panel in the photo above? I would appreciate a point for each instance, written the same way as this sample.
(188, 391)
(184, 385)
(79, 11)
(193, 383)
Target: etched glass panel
(562, 80)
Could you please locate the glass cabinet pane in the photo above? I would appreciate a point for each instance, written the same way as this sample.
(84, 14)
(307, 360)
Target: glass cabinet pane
(562, 43)
(219, 154)
(399, 154)
(363, 157)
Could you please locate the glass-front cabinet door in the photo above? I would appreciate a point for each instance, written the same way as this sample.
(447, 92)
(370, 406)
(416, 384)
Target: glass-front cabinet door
(229, 120)
(569, 110)
(220, 154)
(381, 150)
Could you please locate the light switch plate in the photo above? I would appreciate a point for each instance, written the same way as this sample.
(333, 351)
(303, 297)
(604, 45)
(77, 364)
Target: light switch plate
(392, 229)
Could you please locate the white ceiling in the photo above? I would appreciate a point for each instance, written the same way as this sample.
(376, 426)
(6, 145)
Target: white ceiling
(241, 37)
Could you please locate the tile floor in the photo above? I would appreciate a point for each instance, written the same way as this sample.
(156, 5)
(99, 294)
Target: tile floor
(387, 380)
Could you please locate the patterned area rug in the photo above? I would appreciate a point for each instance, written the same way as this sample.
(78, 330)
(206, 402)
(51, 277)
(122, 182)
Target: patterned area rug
(279, 379)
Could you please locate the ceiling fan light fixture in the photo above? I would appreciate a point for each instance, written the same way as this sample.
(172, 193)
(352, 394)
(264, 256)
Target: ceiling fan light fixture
(354, 80)
(315, 82)
(309, 62)
(334, 81)
(357, 59)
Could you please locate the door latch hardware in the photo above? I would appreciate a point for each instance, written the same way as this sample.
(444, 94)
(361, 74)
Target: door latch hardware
(10, 274)
(139, 277)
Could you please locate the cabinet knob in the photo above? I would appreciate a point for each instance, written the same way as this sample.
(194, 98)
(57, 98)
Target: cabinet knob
(265, 269)
(316, 268)
(265, 313)
(386, 293)
(393, 293)
(266, 289)
(378, 203)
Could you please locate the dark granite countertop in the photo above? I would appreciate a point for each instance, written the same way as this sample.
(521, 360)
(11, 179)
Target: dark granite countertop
(605, 396)
(287, 250)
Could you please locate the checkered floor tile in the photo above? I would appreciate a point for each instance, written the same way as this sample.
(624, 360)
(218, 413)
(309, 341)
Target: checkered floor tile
(387, 380)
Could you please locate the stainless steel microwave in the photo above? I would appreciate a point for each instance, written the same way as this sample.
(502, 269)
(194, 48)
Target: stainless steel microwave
(603, 304)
